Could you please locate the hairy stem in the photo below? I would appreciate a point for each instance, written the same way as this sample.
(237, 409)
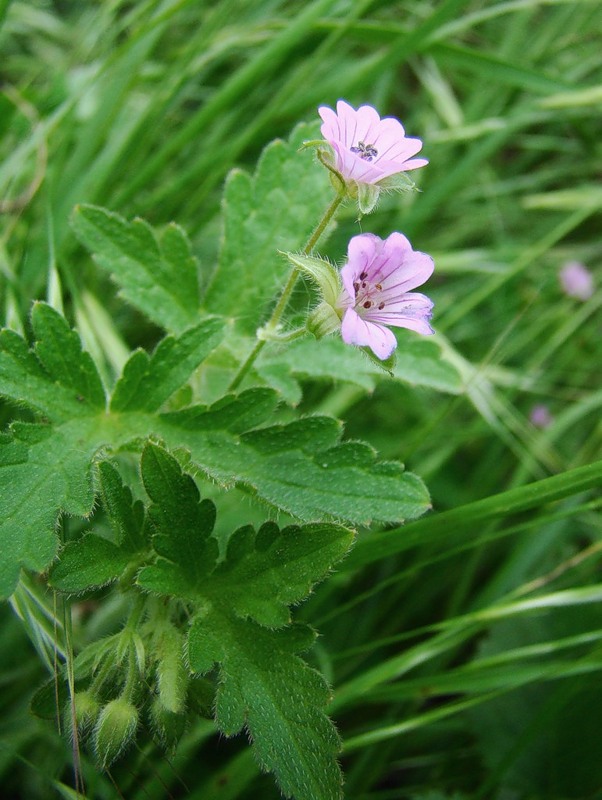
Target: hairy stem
(286, 292)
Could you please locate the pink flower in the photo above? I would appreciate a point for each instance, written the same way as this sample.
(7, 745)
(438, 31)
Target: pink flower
(368, 149)
(376, 279)
(576, 280)
(540, 416)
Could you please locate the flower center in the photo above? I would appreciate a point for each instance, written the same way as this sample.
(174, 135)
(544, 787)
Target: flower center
(365, 151)
(367, 295)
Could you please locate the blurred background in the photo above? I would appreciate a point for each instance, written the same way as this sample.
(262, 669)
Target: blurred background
(144, 107)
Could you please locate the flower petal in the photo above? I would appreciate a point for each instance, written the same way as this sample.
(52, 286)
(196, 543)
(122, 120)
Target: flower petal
(330, 126)
(361, 332)
(402, 268)
(347, 127)
(354, 168)
(392, 146)
(348, 123)
(412, 310)
(361, 251)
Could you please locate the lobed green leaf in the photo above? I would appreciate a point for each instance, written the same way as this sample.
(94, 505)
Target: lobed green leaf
(89, 562)
(148, 381)
(156, 273)
(418, 361)
(267, 689)
(57, 378)
(275, 209)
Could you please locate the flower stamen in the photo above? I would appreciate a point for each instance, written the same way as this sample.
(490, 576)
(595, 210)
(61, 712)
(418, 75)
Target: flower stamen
(365, 151)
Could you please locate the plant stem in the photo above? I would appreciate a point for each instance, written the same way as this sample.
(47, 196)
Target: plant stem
(286, 292)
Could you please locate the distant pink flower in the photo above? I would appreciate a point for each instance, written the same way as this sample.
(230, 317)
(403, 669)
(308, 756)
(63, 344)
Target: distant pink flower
(576, 280)
(368, 149)
(376, 279)
(540, 416)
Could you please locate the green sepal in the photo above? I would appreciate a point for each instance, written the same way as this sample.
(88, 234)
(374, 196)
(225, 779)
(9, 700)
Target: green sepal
(399, 182)
(367, 197)
(114, 731)
(322, 272)
(323, 320)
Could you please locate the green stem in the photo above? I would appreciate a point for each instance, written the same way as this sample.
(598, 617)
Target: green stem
(286, 292)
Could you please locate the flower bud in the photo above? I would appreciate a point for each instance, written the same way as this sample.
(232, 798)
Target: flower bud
(86, 709)
(172, 675)
(167, 727)
(322, 273)
(323, 320)
(115, 729)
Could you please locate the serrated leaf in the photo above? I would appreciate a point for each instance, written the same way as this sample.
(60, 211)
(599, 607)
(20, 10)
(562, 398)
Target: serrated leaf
(45, 469)
(418, 362)
(42, 470)
(263, 686)
(156, 272)
(147, 382)
(57, 377)
(126, 515)
(261, 575)
(295, 467)
(283, 465)
(60, 352)
(277, 568)
(89, 562)
(266, 688)
(183, 521)
(275, 209)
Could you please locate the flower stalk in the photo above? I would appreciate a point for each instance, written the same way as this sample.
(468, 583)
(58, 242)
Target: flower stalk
(269, 331)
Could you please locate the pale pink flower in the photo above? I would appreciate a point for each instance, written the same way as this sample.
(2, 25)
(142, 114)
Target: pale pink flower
(540, 416)
(368, 149)
(376, 280)
(576, 280)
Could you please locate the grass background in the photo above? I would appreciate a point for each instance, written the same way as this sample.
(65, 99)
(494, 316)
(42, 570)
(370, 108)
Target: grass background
(467, 662)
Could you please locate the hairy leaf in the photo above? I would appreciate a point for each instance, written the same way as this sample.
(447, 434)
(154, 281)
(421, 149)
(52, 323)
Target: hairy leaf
(264, 685)
(57, 378)
(418, 362)
(300, 467)
(148, 381)
(267, 689)
(156, 273)
(89, 562)
(275, 209)
(46, 469)
(42, 471)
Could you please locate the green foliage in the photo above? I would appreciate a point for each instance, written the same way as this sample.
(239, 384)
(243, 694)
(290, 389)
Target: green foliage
(442, 639)
(155, 273)
(243, 620)
(299, 467)
(259, 673)
(149, 381)
(52, 459)
(417, 361)
(57, 378)
(275, 210)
